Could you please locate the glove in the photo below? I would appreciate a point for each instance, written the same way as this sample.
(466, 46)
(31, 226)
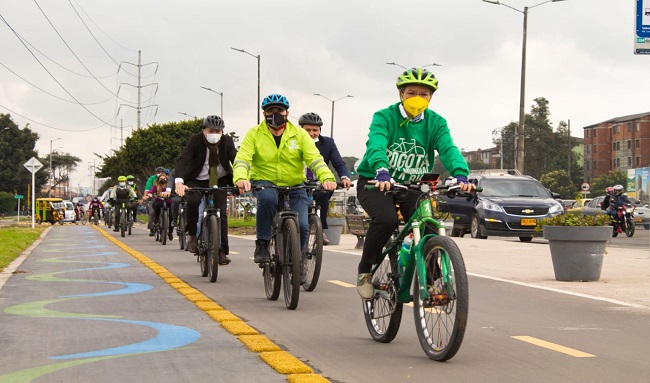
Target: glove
(383, 176)
(461, 179)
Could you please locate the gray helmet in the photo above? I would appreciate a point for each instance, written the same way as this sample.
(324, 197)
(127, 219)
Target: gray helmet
(618, 189)
(213, 122)
(310, 119)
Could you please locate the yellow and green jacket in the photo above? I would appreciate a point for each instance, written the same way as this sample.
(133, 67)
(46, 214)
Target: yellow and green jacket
(260, 159)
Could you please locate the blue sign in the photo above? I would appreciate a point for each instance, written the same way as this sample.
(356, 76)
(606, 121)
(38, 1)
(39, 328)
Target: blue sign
(643, 18)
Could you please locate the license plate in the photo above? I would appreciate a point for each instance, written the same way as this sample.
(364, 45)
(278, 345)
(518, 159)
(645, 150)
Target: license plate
(638, 219)
(528, 222)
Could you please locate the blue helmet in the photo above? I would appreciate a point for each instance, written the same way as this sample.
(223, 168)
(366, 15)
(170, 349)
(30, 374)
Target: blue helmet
(275, 100)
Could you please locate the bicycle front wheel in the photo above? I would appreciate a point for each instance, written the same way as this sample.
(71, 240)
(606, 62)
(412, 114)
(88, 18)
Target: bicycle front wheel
(313, 257)
(272, 271)
(83, 219)
(291, 258)
(182, 239)
(383, 313)
(441, 317)
(96, 219)
(122, 223)
(213, 245)
(164, 226)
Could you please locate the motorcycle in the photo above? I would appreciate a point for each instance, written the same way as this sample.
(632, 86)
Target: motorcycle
(624, 221)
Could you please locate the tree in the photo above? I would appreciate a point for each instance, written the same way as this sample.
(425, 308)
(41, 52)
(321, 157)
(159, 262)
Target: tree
(558, 181)
(599, 184)
(16, 147)
(62, 165)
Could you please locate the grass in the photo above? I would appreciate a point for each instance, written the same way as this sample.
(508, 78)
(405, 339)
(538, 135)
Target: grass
(14, 240)
(238, 226)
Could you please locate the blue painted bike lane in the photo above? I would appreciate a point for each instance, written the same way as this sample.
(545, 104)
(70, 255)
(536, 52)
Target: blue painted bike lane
(81, 308)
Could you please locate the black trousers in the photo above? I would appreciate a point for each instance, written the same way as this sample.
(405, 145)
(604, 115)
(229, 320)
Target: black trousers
(381, 209)
(193, 200)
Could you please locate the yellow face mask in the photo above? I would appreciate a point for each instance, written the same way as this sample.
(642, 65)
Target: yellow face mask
(415, 105)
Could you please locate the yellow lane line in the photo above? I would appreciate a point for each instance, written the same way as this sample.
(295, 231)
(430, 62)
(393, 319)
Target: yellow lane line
(555, 347)
(341, 283)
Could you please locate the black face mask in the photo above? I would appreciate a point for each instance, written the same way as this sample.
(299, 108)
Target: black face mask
(276, 120)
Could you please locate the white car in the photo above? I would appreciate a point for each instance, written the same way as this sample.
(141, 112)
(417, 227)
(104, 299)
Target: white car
(69, 211)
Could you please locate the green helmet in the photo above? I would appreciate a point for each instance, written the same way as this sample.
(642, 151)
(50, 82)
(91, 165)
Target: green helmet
(121, 179)
(129, 177)
(417, 76)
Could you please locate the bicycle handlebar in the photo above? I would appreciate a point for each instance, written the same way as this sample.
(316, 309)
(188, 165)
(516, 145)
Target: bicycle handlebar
(452, 191)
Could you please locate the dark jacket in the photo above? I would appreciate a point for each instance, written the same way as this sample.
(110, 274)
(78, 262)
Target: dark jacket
(330, 153)
(189, 164)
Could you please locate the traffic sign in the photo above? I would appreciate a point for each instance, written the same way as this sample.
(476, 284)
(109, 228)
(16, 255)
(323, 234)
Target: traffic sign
(19, 196)
(33, 165)
(585, 186)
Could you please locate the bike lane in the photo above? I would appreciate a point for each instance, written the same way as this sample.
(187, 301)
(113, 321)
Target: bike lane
(85, 307)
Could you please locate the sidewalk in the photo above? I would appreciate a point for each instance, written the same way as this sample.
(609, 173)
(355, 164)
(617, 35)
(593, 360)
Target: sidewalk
(625, 276)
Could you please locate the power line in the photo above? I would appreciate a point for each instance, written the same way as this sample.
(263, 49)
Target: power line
(51, 75)
(106, 34)
(52, 127)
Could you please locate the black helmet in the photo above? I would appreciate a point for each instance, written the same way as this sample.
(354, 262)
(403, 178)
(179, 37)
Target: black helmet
(310, 119)
(213, 122)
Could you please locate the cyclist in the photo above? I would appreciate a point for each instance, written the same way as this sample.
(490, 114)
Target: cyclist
(206, 161)
(159, 170)
(401, 146)
(122, 193)
(312, 123)
(162, 196)
(274, 153)
(79, 210)
(130, 181)
(95, 206)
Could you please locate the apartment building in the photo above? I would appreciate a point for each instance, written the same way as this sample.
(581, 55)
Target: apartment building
(617, 144)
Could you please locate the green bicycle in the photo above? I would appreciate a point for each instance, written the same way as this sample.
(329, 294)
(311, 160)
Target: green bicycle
(440, 293)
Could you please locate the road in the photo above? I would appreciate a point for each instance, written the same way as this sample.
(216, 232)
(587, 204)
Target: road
(515, 332)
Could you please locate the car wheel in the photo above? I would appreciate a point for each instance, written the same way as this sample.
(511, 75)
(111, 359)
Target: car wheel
(456, 232)
(475, 230)
(525, 239)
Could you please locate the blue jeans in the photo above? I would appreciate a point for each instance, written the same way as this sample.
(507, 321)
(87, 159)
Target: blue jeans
(267, 202)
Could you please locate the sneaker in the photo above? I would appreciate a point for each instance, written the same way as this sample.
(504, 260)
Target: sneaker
(191, 244)
(116, 229)
(262, 254)
(326, 241)
(364, 286)
(170, 236)
(223, 258)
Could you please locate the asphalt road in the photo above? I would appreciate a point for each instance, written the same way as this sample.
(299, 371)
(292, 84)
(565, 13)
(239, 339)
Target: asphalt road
(515, 333)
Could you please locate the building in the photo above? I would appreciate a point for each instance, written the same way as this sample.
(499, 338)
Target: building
(617, 144)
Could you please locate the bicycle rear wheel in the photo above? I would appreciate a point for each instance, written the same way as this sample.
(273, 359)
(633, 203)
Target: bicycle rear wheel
(164, 226)
(313, 257)
(441, 318)
(291, 263)
(272, 271)
(213, 246)
(383, 313)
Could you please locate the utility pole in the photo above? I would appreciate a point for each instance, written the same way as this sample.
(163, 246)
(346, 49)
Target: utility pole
(138, 87)
(92, 169)
(570, 147)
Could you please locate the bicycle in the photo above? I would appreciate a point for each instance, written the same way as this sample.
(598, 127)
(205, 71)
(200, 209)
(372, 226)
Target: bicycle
(312, 257)
(180, 227)
(208, 244)
(433, 265)
(161, 228)
(108, 216)
(94, 218)
(126, 222)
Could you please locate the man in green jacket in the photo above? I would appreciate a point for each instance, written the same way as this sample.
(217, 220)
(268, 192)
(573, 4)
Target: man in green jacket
(275, 153)
(402, 145)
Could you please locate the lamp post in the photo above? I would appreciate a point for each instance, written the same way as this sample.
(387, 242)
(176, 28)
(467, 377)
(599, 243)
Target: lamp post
(333, 101)
(519, 159)
(402, 66)
(258, 80)
(51, 175)
(220, 94)
(188, 115)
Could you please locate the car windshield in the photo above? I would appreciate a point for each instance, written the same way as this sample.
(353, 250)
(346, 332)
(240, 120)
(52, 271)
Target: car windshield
(504, 187)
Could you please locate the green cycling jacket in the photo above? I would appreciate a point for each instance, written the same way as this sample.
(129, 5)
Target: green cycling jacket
(260, 159)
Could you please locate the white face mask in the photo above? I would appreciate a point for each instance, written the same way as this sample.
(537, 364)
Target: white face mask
(213, 138)
(122, 184)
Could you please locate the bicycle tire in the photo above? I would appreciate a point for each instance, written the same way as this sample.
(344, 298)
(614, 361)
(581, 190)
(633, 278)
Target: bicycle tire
(122, 223)
(272, 271)
(129, 226)
(96, 219)
(291, 263)
(164, 226)
(202, 258)
(214, 245)
(182, 238)
(83, 219)
(383, 313)
(441, 320)
(313, 257)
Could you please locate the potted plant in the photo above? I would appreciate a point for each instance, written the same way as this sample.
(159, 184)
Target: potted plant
(577, 243)
(335, 222)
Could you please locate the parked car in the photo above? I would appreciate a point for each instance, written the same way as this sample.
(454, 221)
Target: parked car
(509, 206)
(567, 203)
(641, 213)
(69, 211)
(578, 205)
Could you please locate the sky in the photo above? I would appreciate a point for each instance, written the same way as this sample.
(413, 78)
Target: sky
(579, 57)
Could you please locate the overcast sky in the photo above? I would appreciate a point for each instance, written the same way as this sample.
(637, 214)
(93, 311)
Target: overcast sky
(579, 56)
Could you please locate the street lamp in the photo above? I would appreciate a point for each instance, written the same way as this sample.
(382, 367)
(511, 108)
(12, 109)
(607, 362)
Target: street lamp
(519, 160)
(258, 81)
(51, 175)
(188, 115)
(402, 66)
(333, 101)
(220, 94)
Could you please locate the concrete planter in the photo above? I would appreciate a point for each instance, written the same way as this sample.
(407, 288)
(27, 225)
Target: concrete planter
(577, 251)
(335, 227)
